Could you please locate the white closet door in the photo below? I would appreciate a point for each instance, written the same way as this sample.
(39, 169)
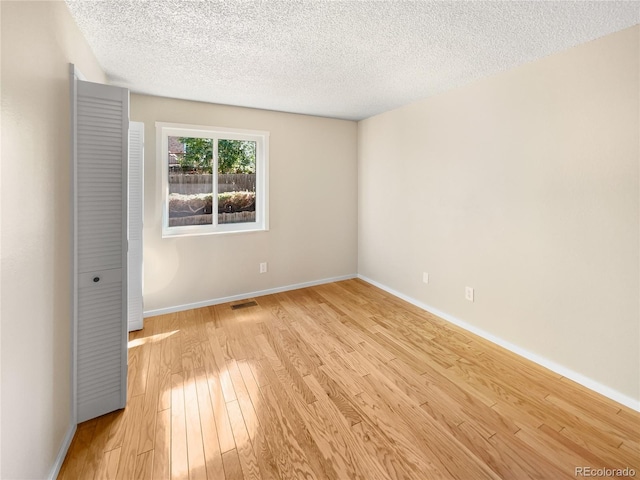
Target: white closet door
(102, 124)
(136, 195)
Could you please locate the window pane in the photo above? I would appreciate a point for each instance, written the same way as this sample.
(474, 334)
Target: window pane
(236, 181)
(190, 181)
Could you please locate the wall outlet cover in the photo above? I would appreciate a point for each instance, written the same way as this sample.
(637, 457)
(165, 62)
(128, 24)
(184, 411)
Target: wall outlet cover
(468, 293)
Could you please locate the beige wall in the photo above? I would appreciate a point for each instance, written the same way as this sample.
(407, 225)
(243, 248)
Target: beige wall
(524, 186)
(313, 211)
(39, 39)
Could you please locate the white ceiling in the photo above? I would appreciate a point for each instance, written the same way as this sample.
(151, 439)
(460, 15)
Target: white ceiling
(349, 60)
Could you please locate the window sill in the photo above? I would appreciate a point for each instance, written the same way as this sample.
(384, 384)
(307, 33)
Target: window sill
(196, 231)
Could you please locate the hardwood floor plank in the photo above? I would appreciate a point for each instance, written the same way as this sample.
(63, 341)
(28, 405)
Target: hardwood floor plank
(402, 440)
(334, 440)
(589, 457)
(133, 368)
(75, 464)
(310, 461)
(474, 403)
(626, 415)
(175, 341)
(601, 445)
(509, 367)
(150, 404)
(246, 455)
(410, 383)
(278, 314)
(228, 340)
(236, 331)
(111, 462)
(232, 467)
(212, 319)
(95, 453)
(212, 453)
(449, 455)
(179, 459)
(345, 377)
(244, 401)
(342, 381)
(504, 459)
(286, 373)
(259, 440)
(192, 335)
(218, 404)
(584, 400)
(362, 450)
(116, 432)
(288, 457)
(215, 339)
(286, 347)
(349, 336)
(372, 350)
(337, 395)
(411, 358)
(128, 451)
(631, 455)
(529, 459)
(195, 448)
(315, 350)
(394, 466)
(144, 467)
(506, 395)
(328, 335)
(163, 327)
(592, 423)
(161, 464)
(254, 353)
(557, 452)
(420, 344)
(139, 381)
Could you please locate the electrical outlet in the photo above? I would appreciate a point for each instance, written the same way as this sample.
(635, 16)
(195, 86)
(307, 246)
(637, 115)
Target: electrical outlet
(263, 267)
(425, 277)
(468, 293)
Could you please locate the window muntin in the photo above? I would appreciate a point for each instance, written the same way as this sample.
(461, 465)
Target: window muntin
(214, 180)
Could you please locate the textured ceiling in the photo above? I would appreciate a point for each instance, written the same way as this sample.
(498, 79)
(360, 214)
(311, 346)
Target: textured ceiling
(350, 59)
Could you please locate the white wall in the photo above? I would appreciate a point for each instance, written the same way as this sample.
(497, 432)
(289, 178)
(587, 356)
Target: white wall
(524, 186)
(39, 39)
(313, 211)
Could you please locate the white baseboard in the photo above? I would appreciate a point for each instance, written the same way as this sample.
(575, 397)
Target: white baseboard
(62, 453)
(540, 360)
(242, 296)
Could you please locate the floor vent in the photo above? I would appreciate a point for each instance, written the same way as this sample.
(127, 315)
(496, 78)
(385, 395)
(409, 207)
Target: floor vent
(250, 303)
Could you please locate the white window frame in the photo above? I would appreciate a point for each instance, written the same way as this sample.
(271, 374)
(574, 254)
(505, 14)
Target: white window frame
(166, 130)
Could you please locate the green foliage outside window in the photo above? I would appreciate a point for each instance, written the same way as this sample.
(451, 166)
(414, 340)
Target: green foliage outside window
(197, 156)
(234, 156)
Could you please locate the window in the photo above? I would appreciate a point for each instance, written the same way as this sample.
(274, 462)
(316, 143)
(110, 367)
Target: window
(214, 180)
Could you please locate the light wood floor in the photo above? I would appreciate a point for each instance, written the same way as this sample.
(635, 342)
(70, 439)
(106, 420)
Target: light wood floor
(342, 381)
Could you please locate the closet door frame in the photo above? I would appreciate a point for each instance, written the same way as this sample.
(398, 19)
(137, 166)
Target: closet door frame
(75, 76)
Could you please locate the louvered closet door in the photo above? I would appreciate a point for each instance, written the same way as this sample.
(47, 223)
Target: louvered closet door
(102, 118)
(136, 194)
